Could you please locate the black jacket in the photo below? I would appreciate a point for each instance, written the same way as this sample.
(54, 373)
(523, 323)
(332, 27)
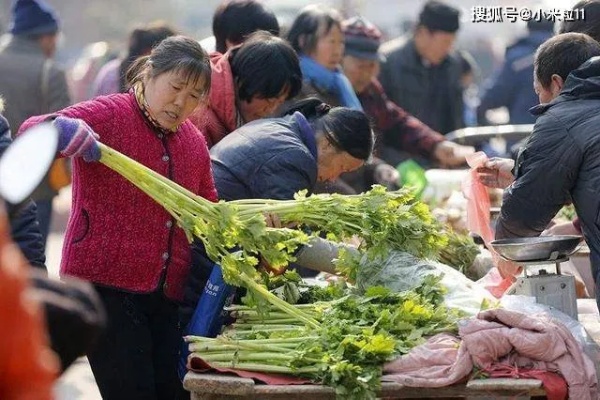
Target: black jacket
(23, 218)
(560, 163)
(432, 94)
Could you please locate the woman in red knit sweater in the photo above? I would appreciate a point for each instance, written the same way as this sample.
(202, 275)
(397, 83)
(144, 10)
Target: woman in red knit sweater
(120, 239)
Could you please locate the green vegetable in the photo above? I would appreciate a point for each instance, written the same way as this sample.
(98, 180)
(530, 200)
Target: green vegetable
(460, 252)
(356, 336)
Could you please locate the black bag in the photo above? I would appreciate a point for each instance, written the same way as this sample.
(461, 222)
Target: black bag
(75, 316)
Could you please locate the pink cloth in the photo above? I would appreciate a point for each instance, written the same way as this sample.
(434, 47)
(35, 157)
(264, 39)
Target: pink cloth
(218, 118)
(441, 361)
(507, 337)
(117, 236)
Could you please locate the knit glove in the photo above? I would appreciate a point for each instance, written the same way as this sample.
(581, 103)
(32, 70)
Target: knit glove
(76, 138)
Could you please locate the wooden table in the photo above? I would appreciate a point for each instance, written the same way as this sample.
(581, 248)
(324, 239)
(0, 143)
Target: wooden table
(225, 387)
(222, 387)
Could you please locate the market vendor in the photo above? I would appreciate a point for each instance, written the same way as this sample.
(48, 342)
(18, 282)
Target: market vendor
(118, 238)
(559, 162)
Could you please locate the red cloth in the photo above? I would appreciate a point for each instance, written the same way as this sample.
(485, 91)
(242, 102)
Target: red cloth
(28, 367)
(218, 118)
(117, 236)
(554, 385)
(197, 364)
(400, 129)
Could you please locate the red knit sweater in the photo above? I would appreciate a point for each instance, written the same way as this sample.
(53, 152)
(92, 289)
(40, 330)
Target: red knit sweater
(117, 236)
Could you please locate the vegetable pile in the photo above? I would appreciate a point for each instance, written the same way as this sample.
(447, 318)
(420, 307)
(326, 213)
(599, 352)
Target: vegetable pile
(354, 337)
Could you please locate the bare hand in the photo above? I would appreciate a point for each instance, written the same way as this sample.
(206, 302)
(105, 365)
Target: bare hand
(497, 173)
(566, 228)
(386, 174)
(450, 154)
(272, 220)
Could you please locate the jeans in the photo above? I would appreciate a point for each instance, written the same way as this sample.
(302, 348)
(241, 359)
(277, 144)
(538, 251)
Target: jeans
(136, 357)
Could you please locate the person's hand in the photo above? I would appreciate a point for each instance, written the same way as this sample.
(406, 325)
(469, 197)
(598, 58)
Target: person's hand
(450, 154)
(272, 220)
(386, 175)
(566, 228)
(76, 138)
(508, 269)
(497, 173)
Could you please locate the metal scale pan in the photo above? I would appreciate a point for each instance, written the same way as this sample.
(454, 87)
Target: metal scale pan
(552, 289)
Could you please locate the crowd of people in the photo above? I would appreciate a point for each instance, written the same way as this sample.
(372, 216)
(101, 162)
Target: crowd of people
(327, 107)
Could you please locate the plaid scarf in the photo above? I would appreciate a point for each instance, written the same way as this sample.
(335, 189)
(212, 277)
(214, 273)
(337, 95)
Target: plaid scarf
(138, 91)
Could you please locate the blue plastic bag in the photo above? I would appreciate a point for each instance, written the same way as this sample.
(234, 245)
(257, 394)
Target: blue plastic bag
(209, 316)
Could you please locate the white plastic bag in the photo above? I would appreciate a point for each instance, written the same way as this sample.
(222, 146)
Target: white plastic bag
(402, 271)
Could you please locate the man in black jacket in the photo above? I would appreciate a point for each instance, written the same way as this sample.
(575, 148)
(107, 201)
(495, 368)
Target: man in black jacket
(560, 162)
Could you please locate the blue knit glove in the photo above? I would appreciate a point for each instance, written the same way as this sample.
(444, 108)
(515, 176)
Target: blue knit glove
(76, 138)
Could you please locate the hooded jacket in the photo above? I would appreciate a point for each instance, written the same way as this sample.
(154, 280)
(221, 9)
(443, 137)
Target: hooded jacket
(560, 163)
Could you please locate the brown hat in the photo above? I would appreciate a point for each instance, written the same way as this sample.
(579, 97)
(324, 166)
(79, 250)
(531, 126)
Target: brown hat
(362, 38)
(439, 16)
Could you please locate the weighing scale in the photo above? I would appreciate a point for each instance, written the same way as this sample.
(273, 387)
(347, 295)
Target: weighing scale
(537, 256)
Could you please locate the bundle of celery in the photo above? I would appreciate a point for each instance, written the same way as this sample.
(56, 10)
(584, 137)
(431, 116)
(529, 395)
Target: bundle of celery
(383, 220)
(460, 253)
(355, 337)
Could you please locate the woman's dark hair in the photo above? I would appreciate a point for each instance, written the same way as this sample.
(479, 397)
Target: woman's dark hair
(141, 42)
(590, 25)
(562, 54)
(174, 54)
(264, 66)
(346, 129)
(235, 20)
(313, 22)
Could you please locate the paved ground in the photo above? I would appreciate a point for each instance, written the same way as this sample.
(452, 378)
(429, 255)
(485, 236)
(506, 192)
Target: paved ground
(78, 381)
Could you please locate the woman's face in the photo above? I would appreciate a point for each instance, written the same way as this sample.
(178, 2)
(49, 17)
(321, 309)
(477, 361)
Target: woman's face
(332, 162)
(330, 48)
(171, 98)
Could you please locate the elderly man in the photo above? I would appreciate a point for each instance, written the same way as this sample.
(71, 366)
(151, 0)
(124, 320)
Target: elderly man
(398, 130)
(421, 75)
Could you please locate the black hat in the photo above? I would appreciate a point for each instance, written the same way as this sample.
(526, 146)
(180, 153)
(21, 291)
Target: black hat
(33, 17)
(439, 16)
(362, 39)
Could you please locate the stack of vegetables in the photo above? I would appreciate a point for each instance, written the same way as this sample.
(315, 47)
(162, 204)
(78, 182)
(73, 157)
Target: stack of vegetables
(354, 335)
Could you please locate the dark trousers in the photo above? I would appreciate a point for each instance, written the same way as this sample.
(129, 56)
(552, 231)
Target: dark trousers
(44, 216)
(136, 357)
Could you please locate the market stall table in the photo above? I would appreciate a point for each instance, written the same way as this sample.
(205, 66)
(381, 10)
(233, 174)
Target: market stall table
(208, 386)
